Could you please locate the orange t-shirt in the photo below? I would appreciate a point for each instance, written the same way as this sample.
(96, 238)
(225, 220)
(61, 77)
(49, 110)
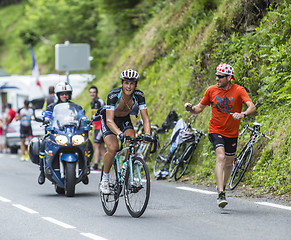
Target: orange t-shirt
(224, 102)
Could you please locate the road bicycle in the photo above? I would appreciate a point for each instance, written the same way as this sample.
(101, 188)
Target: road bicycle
(242, 162)
(175, 160)
(131, 181)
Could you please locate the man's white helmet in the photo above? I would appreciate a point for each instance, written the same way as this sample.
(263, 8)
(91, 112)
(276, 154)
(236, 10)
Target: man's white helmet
(63, 87)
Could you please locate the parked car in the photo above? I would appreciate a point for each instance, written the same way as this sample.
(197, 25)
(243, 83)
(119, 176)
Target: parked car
(12, 137)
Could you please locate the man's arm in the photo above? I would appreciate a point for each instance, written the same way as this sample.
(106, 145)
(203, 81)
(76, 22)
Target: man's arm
(196, 109)
(146, 121)
(250, 110)
(110, 122)
(18, 116)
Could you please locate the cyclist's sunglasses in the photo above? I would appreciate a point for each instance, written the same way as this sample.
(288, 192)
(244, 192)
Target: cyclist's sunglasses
(221, 76)
(64, 93)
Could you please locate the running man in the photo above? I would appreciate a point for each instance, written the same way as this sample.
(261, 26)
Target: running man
(226, 100)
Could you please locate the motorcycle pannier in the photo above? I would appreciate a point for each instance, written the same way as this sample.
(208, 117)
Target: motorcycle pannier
(33, 150)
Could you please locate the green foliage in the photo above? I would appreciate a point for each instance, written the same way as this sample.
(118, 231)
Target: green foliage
(57, 19)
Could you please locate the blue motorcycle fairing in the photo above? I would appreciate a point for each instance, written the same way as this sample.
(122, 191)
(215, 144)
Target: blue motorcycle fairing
(69, 157)
(56, 156)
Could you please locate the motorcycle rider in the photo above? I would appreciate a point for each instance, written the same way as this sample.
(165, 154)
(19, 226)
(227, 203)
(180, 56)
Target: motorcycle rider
(63, 92)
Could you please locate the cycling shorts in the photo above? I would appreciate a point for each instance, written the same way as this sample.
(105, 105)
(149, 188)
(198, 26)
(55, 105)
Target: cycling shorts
(229, 144)
(98, 136)
(123, 123)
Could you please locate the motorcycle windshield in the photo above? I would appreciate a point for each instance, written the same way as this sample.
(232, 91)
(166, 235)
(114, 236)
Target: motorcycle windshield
(66, 114)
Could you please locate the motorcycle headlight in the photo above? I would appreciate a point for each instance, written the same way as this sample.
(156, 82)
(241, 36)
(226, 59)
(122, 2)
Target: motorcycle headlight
(61, 140)
(78, 140)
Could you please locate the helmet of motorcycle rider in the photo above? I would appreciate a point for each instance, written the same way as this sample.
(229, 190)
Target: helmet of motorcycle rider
(225, 69)
(129, 75)
(62, 87)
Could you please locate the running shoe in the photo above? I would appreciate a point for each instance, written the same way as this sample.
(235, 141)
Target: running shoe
(221, 200)
(27, 156)
(95, 167)
(23, 158)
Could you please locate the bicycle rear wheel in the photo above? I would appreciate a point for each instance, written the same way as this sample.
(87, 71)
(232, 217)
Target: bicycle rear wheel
(162, 158)
(240, 167)
(137, 192)
(184, 161)
(110, 201)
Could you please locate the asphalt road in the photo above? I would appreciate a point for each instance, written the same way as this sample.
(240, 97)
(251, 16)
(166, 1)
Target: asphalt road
(29, 211)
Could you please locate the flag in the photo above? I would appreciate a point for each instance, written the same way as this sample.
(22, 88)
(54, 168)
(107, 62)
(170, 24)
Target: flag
(35, 70)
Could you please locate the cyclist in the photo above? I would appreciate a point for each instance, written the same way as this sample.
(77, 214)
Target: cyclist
(98, 145)
(225, 99)
(64, 93)
(121, 103)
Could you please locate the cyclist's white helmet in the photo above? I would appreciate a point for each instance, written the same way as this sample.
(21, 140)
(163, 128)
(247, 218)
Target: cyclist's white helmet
(63, 87)
(129, 75)
(225, 69)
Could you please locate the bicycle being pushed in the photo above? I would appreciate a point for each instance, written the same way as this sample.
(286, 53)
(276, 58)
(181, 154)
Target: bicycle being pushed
(131, 181)
(243, 160)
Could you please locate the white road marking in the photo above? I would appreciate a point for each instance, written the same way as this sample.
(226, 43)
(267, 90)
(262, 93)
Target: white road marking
(93, 236)
(52, 220)
(2, 199)
(196, 190)
(274, 205)
(26, 209)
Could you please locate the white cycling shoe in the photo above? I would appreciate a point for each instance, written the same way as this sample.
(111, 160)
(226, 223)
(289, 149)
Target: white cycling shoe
(104, 186)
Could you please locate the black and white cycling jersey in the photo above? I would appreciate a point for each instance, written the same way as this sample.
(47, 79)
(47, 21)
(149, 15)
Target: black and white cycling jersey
(114, 96)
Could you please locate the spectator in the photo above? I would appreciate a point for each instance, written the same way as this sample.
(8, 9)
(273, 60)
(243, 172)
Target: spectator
(10, 115)
(25, 115)
(2, 139)
(98, 145)
(226, 100)
(50, 99)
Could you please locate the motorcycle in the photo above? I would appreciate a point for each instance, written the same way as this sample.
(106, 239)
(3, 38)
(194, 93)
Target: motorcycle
(68, 150)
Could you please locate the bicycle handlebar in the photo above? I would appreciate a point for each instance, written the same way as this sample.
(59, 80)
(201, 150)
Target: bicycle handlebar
(200, 132)
(132, 140)
(252, 129)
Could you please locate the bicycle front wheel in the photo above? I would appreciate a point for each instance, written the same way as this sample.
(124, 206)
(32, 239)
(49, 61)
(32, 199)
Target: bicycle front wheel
(177, 158)
(184, 161)
(110, 201)
(162, 158)
(240, 168)
(137, 188)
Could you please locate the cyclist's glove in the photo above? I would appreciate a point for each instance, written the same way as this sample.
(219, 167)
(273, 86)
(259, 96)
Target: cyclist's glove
(147, 138)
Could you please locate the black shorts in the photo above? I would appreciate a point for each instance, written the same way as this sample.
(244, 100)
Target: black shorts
(229, 144)
(123, 123)
(25, 132)
(98, 136)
